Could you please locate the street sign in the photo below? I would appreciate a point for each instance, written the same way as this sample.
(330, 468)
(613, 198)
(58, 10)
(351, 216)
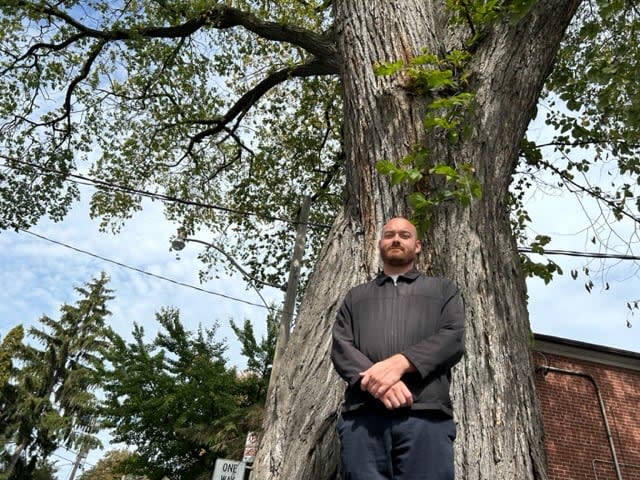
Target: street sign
(228, 470)
(250, 448)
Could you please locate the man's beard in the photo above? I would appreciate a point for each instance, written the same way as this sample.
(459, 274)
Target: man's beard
(397, 261)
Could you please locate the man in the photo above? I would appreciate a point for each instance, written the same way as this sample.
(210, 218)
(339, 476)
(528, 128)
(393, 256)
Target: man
(395, 340)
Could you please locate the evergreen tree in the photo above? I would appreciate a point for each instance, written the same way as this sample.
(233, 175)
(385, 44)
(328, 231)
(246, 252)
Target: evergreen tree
(47, 385)
(259, 355)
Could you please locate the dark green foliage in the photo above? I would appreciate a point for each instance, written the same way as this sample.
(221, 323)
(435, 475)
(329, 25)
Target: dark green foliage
(47, 390)
(176, 400)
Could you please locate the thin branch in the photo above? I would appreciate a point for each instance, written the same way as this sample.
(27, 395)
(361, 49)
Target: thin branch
(589, 191)
(233, 261)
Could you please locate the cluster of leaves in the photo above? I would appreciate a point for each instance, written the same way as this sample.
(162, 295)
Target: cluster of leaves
(113, 466)
(602, 102)
(47, 398)
(478, 15)
(545, 271)
(442, 82)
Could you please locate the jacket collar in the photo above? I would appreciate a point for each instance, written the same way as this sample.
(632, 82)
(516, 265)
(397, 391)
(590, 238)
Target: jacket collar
(409, 276)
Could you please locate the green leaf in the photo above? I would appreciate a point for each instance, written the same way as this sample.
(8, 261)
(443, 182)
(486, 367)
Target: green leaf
(385, 167)
(387, 69)
(398, 176)
(444, 170)
(414, 175)
(418, 201)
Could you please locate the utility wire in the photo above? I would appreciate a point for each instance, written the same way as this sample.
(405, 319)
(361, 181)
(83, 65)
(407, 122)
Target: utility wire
(573, 253)
(84, 180)
(144, 272)
(570, 253)
(71, 462)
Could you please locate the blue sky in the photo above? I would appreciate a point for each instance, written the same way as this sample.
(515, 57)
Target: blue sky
(37, 277)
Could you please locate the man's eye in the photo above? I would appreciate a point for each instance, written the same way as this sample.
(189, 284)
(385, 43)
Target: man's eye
(405, 235)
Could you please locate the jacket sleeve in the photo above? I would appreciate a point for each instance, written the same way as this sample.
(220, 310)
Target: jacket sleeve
(347, 359)
(445, 347)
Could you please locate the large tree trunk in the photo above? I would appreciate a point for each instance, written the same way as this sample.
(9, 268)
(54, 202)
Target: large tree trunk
(499, 429)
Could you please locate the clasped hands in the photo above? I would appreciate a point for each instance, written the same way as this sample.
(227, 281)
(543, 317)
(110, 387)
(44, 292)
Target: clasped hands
(382, 381)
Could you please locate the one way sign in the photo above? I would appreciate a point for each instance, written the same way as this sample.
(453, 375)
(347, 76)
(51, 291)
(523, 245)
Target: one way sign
(228, 470)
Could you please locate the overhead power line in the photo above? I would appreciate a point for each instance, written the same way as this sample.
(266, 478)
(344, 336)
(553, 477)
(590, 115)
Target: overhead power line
(144, 272)
(229, 297)
(84, 180)
(573, 253)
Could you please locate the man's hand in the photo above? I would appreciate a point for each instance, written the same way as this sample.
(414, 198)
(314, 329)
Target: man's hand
(381, 376)
(397, 396)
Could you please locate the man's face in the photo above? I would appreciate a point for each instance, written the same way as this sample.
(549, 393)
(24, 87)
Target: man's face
(399, 244)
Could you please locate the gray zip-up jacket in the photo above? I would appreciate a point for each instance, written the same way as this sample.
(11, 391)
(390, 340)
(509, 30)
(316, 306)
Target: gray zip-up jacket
(420, 317)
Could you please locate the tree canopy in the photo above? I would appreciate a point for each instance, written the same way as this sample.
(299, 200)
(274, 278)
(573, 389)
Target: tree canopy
(231, 112)
(170, 100)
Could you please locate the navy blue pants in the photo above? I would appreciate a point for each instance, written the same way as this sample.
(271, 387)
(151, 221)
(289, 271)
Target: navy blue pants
(396, 446)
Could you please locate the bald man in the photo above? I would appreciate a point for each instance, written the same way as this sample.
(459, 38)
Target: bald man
(395, 340)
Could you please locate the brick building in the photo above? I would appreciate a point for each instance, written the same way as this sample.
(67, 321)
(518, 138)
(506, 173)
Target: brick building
(590, 399)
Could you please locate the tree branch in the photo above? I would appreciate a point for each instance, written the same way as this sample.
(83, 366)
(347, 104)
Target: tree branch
(219, 16)
(591, 192)
(318, 45)
(311, 68)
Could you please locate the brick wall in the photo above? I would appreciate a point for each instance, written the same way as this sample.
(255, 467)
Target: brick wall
(575, 435)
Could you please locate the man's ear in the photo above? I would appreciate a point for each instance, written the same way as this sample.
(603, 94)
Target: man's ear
(418, 246)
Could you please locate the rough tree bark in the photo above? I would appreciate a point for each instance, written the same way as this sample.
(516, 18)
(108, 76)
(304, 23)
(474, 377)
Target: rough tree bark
(499, 429)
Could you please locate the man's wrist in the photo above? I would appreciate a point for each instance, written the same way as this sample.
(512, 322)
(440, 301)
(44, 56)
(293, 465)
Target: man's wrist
(403, 364)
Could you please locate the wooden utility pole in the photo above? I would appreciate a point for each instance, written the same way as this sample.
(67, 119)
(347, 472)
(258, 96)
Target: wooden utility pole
(286, 319)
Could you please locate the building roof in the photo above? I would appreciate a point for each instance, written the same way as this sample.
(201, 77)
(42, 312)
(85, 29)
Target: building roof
(586, 351)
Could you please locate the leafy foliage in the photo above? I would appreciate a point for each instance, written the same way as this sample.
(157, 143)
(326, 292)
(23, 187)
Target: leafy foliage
(110, 467)
(177, 402)
(592, 103)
